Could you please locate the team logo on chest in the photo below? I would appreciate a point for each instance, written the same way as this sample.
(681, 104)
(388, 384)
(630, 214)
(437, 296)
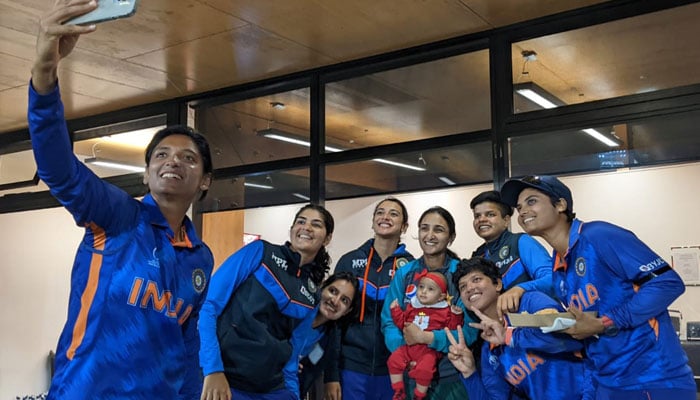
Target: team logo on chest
(312, 286)
(401, 262)
(504, 251)
(199, 280)
(359, 263)
(580, 266)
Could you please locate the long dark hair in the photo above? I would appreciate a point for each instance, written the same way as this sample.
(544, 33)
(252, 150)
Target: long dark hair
(347, 319)
(322, 261)
(450, 225)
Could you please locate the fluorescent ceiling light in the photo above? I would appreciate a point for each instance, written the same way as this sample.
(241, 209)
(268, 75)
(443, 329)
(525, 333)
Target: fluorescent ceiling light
(301, 196)
(539, 96)
(276, 134)
(536, 98)
(599, 136)
(447, 180)
(103, 162)
(283, 137)
(398, 164)
(255, 185)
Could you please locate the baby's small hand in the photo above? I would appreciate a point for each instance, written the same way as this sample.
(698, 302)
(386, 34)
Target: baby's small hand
(456, 309)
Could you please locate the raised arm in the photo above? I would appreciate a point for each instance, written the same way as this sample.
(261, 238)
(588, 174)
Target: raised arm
(56, 41)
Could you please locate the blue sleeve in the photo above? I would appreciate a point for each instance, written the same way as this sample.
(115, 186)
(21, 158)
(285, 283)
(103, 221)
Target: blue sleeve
(236, 269)
(393, 336)
(303, 339)
(192, 387)
(625, 255)
(87, 197)
(534, 338)
(440, 342)
(486, 384)
(538, 264)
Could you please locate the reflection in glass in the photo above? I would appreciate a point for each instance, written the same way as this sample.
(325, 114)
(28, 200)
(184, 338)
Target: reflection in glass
(116, 154)
(266, 128)
(666, 139)
(420, 101)
(455, 165)
(258, 190)
(636, 55)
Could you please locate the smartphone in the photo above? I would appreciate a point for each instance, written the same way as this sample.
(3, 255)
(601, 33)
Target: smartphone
(106, 10)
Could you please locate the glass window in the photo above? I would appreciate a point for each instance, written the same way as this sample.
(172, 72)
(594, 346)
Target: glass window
(257, 190)
(665, 139)
(116, 154)
(437, 168)
(634, 55)
(266, 128)
(432, 99)
(16, 168)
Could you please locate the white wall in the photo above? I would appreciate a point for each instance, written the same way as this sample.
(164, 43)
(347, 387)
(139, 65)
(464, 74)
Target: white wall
(659, 204)
(37, 250)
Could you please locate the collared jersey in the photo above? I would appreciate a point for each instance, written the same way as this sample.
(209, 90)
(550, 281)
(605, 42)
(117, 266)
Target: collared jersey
(256, 300)
(131, 330)
(597, 273)
(362, 347)
(521, 371)
(521, 261)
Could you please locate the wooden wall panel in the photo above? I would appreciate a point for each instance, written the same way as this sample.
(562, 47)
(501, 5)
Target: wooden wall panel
(223, 232)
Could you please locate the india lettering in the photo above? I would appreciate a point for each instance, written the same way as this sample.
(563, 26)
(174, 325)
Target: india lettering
(160, 301)
(523, 368)
(584, 299)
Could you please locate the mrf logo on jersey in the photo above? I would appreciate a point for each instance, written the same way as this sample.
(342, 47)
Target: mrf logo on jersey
(359, 263)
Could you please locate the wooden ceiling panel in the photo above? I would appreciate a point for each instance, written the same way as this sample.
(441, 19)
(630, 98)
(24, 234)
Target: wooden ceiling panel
(506, 12)
(13, 107)
(17, 44)
(158, 24)
(14, 71)
(127, 73)
(236, 56)
(21, 15)
(351, 29)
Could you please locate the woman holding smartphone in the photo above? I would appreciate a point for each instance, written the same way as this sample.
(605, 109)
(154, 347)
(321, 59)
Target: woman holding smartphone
(259, 298)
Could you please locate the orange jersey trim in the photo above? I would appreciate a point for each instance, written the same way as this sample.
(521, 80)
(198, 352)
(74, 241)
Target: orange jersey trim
(99, 240)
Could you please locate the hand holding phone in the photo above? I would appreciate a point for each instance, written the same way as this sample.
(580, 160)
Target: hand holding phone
(106, 10)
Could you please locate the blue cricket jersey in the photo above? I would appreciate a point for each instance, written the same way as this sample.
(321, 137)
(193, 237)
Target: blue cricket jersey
(598, 273)
(533, 365)
(131, 330)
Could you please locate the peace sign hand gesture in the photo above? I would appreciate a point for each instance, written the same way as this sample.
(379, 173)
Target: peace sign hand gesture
(492, 331)
(459, 354)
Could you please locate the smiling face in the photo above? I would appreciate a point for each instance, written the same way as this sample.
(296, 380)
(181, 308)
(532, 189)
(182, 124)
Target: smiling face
(536, 214)
(478, 291)
(434, 234)
(336, 300)
(488, 221)
(308, 234)
(388, 220)
(429, 292)
(175, 169)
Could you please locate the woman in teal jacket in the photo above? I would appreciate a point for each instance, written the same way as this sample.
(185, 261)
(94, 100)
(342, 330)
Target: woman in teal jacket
(436, 231)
